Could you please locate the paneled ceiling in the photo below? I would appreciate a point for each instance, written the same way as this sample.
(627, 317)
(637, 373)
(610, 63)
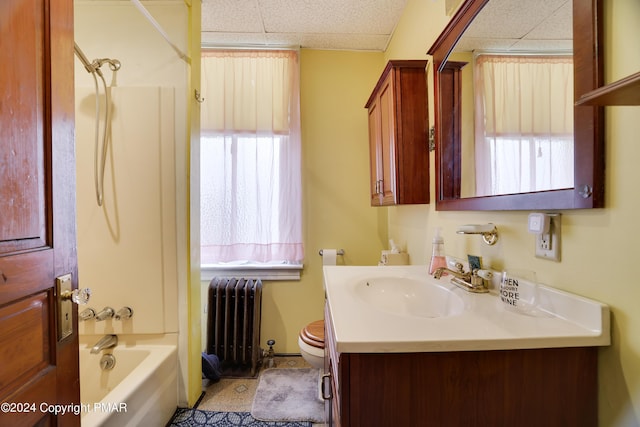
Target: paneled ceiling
(369, 24)
(521, 25)
(315, 24)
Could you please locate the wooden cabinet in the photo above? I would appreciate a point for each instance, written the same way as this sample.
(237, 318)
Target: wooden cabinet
(398, 140)
(529, 387)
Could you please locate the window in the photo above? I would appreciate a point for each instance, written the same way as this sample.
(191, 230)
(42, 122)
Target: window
(251, 209)
(524, 123)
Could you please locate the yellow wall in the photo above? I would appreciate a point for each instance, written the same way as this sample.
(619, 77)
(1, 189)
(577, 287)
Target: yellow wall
(192, 360)
(599, 256)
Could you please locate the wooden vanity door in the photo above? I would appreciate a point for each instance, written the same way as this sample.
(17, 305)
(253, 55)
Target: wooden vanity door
(38, 367)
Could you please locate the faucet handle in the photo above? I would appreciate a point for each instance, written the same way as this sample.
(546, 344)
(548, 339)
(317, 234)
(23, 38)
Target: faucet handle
(87, 314)
(106, 313)
(456, 266)
(124, 313)
(485, 274)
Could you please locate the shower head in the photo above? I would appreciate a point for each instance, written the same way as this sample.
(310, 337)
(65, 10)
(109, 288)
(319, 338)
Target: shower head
(114, 64)
(94, 66)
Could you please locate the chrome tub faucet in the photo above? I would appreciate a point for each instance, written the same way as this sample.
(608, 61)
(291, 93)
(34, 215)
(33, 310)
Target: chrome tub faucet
(108, 341)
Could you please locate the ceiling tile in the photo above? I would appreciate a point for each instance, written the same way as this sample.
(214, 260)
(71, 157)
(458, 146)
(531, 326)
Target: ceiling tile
(527, 25)
(369, 24)
(232, 16)
(328, 24)
(331, 16)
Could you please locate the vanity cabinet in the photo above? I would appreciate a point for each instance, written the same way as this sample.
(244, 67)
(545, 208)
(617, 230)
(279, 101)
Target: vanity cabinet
(398, 140)
(528, 387)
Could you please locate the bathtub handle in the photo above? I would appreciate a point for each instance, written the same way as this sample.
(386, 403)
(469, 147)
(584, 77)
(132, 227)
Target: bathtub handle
(124, 313)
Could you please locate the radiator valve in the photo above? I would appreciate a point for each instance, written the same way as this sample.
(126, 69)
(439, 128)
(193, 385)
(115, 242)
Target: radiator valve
(271, 363)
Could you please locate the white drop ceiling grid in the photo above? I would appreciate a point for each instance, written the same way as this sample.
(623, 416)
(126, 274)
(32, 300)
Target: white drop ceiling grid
(517, 25)
(315, 24)
(521, 25)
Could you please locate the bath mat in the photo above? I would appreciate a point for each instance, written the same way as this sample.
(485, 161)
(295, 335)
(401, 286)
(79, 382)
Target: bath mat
(288, 395)
(236, 394)
(196, 417)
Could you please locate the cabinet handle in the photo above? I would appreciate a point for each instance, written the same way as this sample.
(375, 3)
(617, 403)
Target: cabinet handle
(323, 387)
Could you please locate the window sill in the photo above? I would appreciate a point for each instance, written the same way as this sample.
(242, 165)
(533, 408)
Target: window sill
(264, 272)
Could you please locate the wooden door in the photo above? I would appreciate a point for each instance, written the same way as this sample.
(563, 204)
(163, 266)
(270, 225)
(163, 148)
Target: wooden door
(38, 364)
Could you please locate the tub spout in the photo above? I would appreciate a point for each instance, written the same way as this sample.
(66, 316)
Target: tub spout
(108, 341)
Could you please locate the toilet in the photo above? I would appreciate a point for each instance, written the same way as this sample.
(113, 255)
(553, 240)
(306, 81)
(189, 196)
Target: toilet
(311, 341)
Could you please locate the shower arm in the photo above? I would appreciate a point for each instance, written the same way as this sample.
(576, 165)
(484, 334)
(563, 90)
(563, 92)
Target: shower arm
(91, 68)
(94, 67)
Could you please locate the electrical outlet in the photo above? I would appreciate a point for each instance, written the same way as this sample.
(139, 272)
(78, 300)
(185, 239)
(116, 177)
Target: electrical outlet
(548, 244)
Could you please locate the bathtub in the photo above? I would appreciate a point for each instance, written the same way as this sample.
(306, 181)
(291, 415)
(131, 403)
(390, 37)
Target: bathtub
(141, 386)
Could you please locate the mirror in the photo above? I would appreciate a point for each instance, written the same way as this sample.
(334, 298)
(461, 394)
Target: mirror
(458, 168)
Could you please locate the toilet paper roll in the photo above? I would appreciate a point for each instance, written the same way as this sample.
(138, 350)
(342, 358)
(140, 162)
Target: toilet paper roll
(329, 256)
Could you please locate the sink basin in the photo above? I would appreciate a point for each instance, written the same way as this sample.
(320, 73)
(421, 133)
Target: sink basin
(409, 297)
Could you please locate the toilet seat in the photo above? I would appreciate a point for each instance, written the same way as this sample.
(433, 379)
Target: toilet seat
(313, 334)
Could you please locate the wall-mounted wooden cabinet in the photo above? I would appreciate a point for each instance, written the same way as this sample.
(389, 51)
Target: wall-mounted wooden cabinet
(398, 135)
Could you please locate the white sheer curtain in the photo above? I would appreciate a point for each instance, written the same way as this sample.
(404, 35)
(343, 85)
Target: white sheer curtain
(251, 207)
(524, 123)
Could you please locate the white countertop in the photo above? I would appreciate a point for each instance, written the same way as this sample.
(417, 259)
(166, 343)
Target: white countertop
(485, 324)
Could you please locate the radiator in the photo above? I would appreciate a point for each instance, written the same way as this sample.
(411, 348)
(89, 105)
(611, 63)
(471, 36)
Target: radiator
(233, 325)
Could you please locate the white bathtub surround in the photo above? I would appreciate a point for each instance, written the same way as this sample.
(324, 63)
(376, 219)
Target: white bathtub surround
(133, 251)
(567, 320)
(141, 389)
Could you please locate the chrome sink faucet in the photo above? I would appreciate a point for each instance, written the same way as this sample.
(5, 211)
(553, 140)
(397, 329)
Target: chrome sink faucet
(470, 281)
(108, 341)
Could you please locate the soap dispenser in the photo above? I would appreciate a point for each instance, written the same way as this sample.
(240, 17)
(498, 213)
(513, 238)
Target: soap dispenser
(437, 256)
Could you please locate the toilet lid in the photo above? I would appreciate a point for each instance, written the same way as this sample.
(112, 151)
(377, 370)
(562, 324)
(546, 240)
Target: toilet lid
(313, 334)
